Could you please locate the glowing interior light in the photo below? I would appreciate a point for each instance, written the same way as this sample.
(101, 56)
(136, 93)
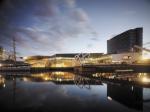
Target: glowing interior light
(25, 58)
(145, 79)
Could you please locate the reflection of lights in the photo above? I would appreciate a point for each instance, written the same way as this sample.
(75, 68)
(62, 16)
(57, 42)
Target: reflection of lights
(58, 79)
(145, 79)
(46, 78)
(0, 65)
(132, 88)
(2, 80)
(41, 74)
(109, 98)
(25, 79)
(95, 75)
(4, 85)
(59, 73)
(111, 77)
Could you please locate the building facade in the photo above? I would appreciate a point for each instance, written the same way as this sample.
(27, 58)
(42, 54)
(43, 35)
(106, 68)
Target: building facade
(125, 41)
(63, 60)
(69, 60)
(128, 57)
(38, 61)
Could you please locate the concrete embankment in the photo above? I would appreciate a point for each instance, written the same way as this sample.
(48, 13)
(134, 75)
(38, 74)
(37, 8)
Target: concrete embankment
(35, 69)
(141, 68)
(85, 68)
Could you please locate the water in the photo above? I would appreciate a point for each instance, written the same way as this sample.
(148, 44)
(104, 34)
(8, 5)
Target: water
(63, 91)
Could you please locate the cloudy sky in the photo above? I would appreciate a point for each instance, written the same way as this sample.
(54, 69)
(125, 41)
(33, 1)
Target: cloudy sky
(45, 27)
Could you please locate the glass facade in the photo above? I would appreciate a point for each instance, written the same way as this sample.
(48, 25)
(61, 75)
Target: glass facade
(125, 41)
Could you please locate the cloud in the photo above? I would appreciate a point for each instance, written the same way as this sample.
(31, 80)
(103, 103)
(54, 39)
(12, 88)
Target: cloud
(130, 12)
(95, 39)
(70, 3)
(80, 15)
(48, 9)
(89, 45)
(43, 25)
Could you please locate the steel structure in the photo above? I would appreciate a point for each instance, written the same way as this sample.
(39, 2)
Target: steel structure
(80, 58)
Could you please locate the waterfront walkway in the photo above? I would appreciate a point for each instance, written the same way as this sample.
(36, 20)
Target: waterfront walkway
(105, 68)
(108, 68)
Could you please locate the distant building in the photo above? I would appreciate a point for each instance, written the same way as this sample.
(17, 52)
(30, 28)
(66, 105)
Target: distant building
(68, 60)
(127, 57)
(125, 41)
(12, 63)
(57, 60)
(62, 60)
(38, 61)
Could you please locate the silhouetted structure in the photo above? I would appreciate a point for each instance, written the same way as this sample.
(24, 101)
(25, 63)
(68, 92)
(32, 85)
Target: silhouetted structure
(125, 41)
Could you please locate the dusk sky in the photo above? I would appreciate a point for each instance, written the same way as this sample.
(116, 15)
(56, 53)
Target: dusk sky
(46, 27)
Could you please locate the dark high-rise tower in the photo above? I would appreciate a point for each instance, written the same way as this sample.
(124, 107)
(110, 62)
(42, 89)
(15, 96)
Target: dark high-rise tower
(125, 41)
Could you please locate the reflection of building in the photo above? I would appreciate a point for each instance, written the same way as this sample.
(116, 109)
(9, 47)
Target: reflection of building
(125, 41)
(2, 82)
(61, 78)
(52, 76)
(129, 96)
(55, 77)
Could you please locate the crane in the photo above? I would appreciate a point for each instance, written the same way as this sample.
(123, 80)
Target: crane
(144, 57)
(142, 48)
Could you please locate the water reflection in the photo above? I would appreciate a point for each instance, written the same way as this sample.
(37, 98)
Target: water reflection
(136, 79)
(65, 91)
(127, 95)
(2, 81)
